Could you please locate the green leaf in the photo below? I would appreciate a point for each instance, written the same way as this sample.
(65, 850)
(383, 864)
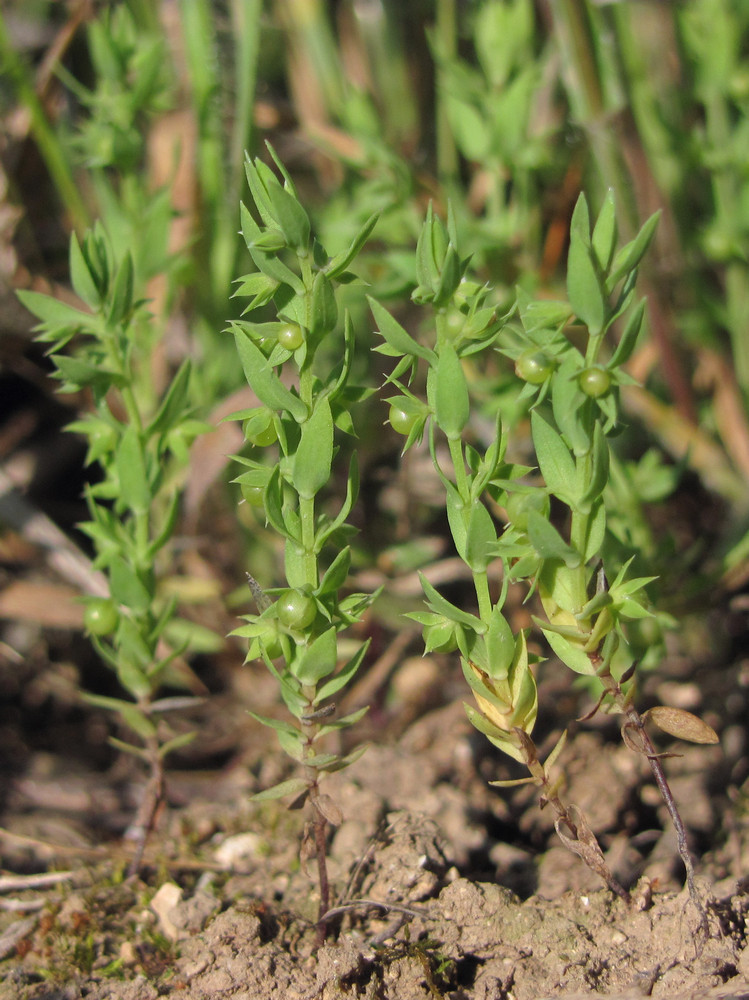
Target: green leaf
(318, 659)
(321, 761)
(323, 306)
(430, 246)
(166, 528)
(480, 722)
(547, 541)
(584, 285)
(342, 762)
(541, 314)
(570, 653)
(629, 336)
(102, 701)
(343, 260)
(267, 263)
(314, 456)
(604, 232)
(121, 294)
(500, 645)
(121, 745)
(596, 530)
(346, 720)
(352, 491)
(599, 474)
(258, 288)
(263, 380)
(451, 273)
(126, 586)
(554, 460)
(481, 538)
(457, 518)
(295, 563)
(138, 721)
(259, 177)
(130, 460)
(279, 725)
(173, 404)
(81, 278)
(292, 744)
(479, 686)
(77, 373)
(273, 502)
(176, 743)
(396, 336)
(133, 678)
(54, 314)
(336, 574)
(572, 409)
(442, 606)
(341, 679)
(630, 255)
(290, 217)
(291, 787)
(449, 393)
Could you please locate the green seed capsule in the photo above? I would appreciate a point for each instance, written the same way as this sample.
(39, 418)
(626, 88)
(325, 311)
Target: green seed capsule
(101, 616)
(290, 336)
(401, 420)
(295, 609)
(534, 367)
(594, 382)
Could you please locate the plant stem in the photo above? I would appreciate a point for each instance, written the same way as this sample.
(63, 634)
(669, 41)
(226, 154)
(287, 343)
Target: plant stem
(322, 874)
(152, 799)
(581, 840)
(459, 467)
(481, 583)
(307, 520)
(634, 722)
(319, 822)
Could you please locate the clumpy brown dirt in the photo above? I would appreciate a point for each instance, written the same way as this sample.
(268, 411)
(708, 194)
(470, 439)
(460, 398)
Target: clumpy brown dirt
(444, 887)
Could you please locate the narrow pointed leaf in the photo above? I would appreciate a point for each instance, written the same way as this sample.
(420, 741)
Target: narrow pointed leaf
(395, 335)
(263, 380)
(314, 456)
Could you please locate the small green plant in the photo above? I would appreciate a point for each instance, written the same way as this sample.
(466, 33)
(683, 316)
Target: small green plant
(569, 368)
(139, 437)
(292, 438)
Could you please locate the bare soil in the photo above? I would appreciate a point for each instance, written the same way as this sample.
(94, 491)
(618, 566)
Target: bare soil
(444, 886)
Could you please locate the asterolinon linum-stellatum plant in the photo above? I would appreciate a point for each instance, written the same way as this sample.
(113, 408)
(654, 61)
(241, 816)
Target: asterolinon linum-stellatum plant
(292, 438)
(140, 439)
(569, 367)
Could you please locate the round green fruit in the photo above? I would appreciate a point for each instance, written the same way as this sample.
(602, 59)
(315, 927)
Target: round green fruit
(401, 420)
(534, 367)
(252, 494)
(101, 616)
(594, 382)
(295, 609)
(260, 436)
(290, 336)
